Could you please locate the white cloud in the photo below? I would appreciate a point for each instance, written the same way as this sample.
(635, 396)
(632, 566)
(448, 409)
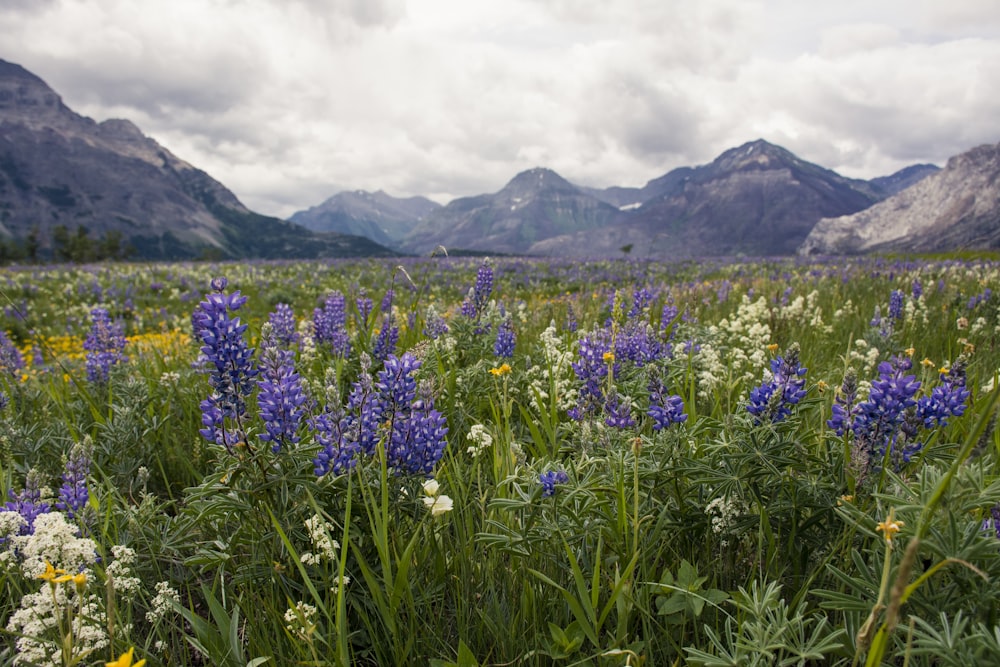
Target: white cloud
(288, 102)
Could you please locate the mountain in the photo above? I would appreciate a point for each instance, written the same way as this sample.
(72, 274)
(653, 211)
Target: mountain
(62, 174)
(757, 199)
(955, 208)
(904, 178)
(536, 204)
(374, 215)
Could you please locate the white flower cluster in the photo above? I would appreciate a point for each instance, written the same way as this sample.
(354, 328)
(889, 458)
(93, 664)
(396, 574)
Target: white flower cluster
(711, 371)
(325, 548)
(555, 374)
(915, 311)
(747, 335)
(865, 355)
(34, 623)
(434, 500)
(54, 541)
(120, 570)
(723, 513)
(162, 603)
(480, 439)
(300, 620)
(307, 341)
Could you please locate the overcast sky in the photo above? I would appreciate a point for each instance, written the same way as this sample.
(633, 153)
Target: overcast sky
(288, 102)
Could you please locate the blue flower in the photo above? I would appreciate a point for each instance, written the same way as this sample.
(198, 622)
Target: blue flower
(947, 399)
(503, 347)
(549, 479)
(104, 345)
(73, 493)
(664, 408)
(28, 503)
(234, 371)
(283, 324)
(11, 361)
(772, 400)
(385, 342)
(896, 304)
(878, 419)
(281, 397)
(330, 324)
(845, 404)
(479, 296)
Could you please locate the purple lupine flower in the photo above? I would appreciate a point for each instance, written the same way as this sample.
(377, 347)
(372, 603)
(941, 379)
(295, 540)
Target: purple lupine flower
(619, 412)
(549, 479)
(845, 404)
(388, 411)
(11, 361)
(340, 444)
(667, 317)
(947, 399)
(664, 408)
(877, 420)
(772, 400)
(330, 324)
(281, 397)
(417, 440)
(364, 305)
(571, 323)
(896, 304)
(991, 524)
(385, 342)
(916, 289)
(232, 378)
(73, 493)
(503, 347)
(641, 299)
(435, 326)
(637, 343)
(592, 370)
(283, 324)
(479, 296)
(28, 503)
(104, 345)
(386, 305)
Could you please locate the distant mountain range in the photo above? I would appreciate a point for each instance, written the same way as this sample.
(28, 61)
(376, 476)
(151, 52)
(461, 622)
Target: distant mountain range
(757, 200)
(65, 176)
(375, 215)
(955, 208)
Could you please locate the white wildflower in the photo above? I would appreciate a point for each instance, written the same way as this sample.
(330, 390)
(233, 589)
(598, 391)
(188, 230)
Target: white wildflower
(438, 505)
(165, 598)
(319, 534)
(480, 439)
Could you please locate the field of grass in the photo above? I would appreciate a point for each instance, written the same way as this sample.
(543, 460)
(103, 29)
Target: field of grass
(469, 462)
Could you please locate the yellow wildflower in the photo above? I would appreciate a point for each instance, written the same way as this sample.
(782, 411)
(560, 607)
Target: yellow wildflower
(927, 363)
(822, 386)
(890, 526)
(773, 347)
(52, 574)
(502, 370)
(909, 351)
(125, 660)
(609, 357)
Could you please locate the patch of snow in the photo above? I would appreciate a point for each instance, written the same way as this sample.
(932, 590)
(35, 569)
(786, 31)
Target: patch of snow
(630, 207)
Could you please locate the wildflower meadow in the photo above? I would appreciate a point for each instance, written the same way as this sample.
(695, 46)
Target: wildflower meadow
(468, 462)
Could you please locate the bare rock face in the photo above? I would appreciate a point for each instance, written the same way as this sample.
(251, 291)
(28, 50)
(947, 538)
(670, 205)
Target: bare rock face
(62, 170)
(956, 208)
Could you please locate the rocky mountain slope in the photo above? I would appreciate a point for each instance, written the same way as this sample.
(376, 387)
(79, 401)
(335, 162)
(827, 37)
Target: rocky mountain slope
(956, 208)
(376, 215)
(536, 204)
(758, 199)
(60, 170)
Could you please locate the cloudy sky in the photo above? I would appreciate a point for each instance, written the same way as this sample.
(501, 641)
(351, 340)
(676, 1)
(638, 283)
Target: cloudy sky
(287, 102)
